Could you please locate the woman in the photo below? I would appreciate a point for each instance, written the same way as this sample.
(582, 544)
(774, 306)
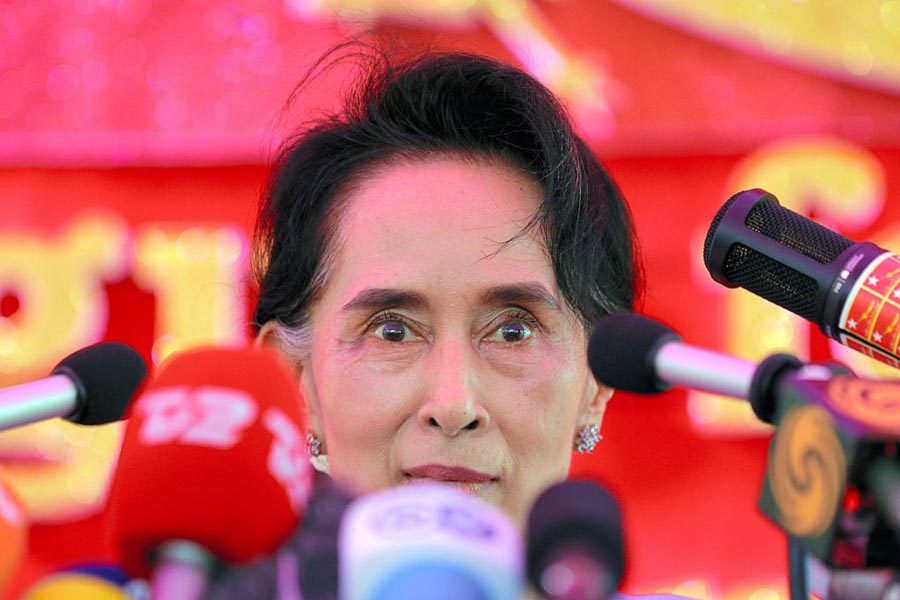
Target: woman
(431, 259)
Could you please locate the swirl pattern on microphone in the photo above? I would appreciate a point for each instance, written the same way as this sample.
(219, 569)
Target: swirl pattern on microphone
(808, 471)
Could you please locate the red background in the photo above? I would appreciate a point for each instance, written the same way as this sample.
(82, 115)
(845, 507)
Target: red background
(172, 137)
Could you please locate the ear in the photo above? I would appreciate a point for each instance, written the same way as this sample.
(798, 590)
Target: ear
(268, 337)
(597, 397)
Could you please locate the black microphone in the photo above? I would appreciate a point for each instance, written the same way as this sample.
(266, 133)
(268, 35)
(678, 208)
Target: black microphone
(92, 386)
(850, 290)
(635, 354)
(574, 542)
(835, 434)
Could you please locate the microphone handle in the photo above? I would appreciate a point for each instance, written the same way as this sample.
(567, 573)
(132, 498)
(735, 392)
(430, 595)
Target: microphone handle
(54, 396)
(696, 368)
(182, 571)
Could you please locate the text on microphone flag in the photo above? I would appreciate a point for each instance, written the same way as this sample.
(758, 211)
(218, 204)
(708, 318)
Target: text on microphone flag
(211, 416)
(287, 461)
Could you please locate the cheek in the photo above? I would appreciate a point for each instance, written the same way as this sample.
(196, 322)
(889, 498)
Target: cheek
(545, 407)
(362, 404)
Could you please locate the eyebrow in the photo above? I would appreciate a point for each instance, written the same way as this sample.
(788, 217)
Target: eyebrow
(379, 298)
(521, 293)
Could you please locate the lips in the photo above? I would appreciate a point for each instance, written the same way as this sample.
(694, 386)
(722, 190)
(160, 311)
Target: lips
(448, 474)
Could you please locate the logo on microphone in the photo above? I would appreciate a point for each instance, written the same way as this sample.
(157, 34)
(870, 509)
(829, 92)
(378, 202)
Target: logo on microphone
(287, 461)
(410, 518)
(210, 416)
(808, 470)
(876, 404)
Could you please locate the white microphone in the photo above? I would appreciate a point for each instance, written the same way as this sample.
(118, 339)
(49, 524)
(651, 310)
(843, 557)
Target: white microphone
(92, 386)
(428, 541)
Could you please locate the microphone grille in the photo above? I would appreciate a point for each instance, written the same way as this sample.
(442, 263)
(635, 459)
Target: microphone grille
(714, 227)
(757, 244)
(770, 279)
(796, 232)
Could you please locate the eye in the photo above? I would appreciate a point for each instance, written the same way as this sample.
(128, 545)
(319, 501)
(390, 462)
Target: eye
(392, 327)
(515, 328)
(391, 331)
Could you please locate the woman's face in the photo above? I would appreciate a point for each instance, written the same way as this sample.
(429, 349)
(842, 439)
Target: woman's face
(439, 352)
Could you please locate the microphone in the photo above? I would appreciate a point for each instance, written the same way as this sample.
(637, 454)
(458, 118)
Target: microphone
(428, 540)
(91, 387)
(836, 435)
(574, 542)
(850, 290)
(213, 465)
(635, 354)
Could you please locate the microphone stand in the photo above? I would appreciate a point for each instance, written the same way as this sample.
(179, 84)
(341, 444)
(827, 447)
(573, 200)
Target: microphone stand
(797, 575)
(858, 558)
(809, 578)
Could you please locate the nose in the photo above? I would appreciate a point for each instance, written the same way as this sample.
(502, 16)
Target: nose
(452, 405)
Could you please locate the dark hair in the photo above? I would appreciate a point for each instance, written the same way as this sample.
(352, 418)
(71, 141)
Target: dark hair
(440, 102)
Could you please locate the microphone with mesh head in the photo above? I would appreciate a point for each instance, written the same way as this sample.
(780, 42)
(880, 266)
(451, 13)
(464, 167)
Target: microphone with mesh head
(850, 290)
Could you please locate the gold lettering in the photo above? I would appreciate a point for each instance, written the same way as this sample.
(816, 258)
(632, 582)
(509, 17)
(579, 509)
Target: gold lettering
(198, 275)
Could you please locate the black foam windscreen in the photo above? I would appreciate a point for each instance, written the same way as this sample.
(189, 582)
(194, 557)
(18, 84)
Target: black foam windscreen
(621, 352)
(576, 514)
(107, 375)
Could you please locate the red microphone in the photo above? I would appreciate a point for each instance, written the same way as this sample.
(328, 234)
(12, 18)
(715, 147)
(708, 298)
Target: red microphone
(213, 465)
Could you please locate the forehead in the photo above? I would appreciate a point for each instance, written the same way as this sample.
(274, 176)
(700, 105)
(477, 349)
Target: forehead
(447, 218)
(466, 188)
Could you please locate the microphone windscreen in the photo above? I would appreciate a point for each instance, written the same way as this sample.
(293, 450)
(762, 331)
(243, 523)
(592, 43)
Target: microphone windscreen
(575, 514)
(393, 542)
(213, 454)
(106, 375)
(622, 349)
